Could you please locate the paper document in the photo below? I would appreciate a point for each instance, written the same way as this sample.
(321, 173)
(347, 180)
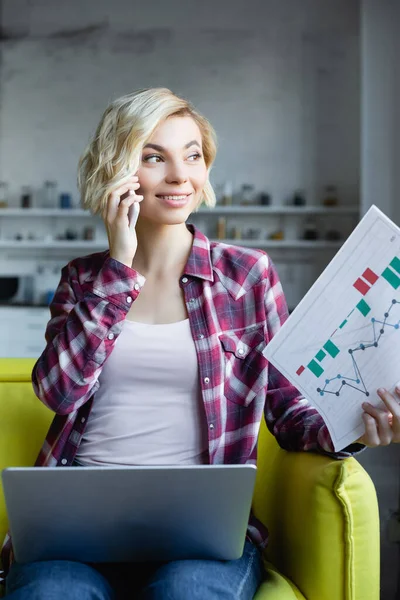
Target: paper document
(342, 341)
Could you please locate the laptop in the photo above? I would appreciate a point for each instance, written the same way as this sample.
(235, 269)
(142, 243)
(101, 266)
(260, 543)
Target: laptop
(128, 514)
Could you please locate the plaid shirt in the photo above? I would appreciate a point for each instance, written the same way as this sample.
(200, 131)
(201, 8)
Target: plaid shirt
(235, 304)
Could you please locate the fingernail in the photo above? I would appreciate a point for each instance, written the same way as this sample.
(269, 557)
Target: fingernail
(381, 391)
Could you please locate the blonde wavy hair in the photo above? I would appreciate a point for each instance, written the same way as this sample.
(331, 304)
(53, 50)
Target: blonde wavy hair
(114, 153)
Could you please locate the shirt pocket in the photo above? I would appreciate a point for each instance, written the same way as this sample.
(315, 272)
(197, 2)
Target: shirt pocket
(244, 365)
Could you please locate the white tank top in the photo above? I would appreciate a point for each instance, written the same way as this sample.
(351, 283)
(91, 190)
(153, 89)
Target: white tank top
(148, 409)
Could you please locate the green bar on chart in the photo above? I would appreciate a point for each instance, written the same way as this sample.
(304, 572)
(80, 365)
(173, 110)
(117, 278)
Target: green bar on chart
(391, 278)
(343, 324)
(395, 264)
(320, 355)
(363, 307)
(331, 348)
(315, 368)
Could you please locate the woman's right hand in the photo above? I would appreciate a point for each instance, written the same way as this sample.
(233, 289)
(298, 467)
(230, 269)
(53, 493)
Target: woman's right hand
(120, 219)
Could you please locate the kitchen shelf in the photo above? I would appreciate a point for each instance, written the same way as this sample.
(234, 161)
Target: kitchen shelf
(280, 210)
(44, 212)
(296, 244)
(220, 210)
(306, 244)
(54, 244)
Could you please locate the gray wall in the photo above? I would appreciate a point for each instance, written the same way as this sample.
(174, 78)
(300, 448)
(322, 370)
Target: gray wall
(279, 81)
(379, 105)
(380, 180)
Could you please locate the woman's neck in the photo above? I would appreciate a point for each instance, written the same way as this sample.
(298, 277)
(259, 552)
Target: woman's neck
(161, 248)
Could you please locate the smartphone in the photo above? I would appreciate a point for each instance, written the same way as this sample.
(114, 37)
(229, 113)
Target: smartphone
(133, 214)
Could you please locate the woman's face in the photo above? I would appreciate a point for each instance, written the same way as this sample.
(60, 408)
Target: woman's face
(172, 173)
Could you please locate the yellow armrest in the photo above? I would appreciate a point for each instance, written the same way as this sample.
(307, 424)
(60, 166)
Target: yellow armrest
(323, 519)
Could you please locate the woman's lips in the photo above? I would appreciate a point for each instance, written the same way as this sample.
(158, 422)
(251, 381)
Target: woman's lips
(175, 200)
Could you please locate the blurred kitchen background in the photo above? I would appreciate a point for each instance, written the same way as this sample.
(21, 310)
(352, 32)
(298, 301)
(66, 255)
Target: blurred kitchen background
(303, 94)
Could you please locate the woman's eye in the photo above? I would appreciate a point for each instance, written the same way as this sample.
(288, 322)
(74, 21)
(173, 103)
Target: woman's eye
(155, 156)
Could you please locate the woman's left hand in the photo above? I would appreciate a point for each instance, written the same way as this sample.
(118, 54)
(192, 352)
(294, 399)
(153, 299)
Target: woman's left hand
(382, 425)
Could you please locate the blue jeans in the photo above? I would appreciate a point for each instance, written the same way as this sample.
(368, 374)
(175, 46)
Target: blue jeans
(176, 580)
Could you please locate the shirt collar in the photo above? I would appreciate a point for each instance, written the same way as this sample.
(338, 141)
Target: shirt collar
(199, 261)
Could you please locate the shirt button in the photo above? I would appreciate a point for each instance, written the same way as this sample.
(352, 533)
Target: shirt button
(129, 299)
(192, 300)
(185, 279)
(64, 461)
(201, 336)
(110, 336)
(83, 420)
(211, 425)
(241, 351)
(136, 286)
(206, 380)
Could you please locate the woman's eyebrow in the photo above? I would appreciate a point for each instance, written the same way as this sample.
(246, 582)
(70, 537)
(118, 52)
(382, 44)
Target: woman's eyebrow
(161, 149)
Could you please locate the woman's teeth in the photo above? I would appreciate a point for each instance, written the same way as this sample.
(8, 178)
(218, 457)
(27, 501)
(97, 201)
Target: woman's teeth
(174, 197)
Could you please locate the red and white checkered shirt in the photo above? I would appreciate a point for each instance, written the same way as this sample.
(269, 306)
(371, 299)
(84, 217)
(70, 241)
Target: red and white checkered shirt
(235, 304)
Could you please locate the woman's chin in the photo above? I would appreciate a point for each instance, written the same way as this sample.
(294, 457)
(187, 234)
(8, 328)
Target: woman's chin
(175, 217)
(167, 215)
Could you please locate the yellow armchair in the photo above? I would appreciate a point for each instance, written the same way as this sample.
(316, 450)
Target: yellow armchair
(322, 513)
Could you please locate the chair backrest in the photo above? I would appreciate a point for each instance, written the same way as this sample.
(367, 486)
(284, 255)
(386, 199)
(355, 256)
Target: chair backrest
(24, 421)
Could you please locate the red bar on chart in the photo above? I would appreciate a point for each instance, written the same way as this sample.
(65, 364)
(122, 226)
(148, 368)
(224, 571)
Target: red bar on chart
(361, 286)
(370, 276)
(300, 370)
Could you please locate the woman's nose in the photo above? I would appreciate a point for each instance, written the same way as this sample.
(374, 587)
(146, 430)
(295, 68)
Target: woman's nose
(176, 174)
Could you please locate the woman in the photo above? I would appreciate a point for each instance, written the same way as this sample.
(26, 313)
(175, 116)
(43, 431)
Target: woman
(163, 333)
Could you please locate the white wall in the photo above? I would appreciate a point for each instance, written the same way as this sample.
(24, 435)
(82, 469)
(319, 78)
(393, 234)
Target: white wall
(379, 107)
(396, 20)
(279, 81)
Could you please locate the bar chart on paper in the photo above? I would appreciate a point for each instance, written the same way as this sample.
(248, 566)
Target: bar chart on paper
(343, 340)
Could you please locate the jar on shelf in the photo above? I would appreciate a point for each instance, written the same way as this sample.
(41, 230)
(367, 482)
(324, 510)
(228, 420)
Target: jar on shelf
(247, 194)
(237, 232)
(310, 230)
(265, 199)
(3, 194)
(88, 233)
(70, 234)
(65, 200)
(221, 228)
(330, 196)
(277, 235)
(26, 197)
(299, 198)
(49, 194)
(227, 193)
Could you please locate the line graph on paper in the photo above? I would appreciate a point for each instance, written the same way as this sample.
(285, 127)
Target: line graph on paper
(355, 380)
(348, 338)
(343, 340)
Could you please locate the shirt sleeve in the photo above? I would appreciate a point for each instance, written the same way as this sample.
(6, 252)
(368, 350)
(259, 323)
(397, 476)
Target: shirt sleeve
(295, 423)
(81, 333)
